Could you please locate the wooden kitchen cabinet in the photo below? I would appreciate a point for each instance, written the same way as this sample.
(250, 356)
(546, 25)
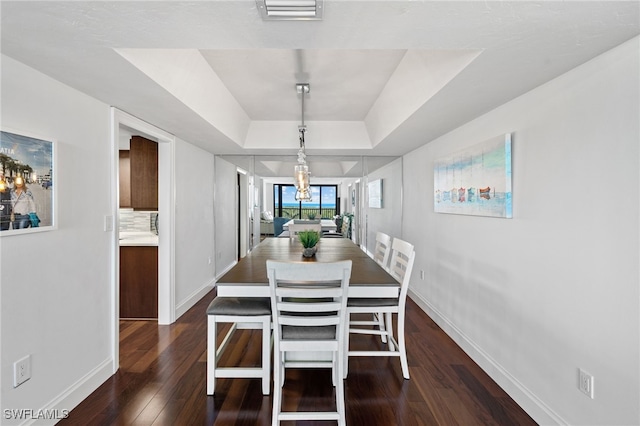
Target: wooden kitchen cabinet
(139, 282)
(139, 175)
(125, 179)
(143, 163)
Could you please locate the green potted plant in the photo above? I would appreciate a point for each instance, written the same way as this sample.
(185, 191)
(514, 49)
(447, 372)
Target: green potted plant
(309, 239)
(311, 216)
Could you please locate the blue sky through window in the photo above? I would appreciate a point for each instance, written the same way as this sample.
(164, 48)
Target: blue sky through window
(326, 193)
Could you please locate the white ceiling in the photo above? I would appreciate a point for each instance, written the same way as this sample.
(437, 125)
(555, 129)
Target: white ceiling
(385, 76)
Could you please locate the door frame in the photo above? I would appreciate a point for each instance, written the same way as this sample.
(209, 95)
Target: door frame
(166, 214)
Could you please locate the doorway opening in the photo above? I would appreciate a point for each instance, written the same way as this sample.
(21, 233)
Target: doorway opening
(124, 124)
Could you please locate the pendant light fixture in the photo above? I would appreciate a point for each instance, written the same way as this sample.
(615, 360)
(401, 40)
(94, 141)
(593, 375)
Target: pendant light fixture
(301, 171)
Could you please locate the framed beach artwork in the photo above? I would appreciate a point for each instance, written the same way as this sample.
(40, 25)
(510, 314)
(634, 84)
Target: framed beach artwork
(375, 194)
(27, 184)
(475, 181)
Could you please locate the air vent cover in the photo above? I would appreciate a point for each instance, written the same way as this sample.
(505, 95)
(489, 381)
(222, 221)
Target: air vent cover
(291, 10)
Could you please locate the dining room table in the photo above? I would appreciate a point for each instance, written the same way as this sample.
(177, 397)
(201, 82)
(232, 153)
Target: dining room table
(248, 278)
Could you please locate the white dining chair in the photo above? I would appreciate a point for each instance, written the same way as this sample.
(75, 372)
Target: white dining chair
(295, 228)
(308, 302)
(402, 258)
(381, 256)
(243, 313)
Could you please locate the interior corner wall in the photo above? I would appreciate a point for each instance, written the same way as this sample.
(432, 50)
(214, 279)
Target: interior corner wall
(194, 223)
(268, 198)
(226, 211)
(56, 285)
(387, 219)
(554, 289)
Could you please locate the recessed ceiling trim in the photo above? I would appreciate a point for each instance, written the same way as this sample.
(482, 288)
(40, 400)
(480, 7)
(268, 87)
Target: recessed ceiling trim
(290, 10)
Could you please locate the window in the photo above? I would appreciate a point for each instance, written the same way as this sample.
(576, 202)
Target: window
(324, 204)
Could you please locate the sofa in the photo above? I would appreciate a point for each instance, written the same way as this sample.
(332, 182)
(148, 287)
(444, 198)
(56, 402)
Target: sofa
(266, 223)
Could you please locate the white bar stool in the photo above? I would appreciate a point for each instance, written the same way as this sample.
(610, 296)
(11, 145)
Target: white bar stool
(244, 313)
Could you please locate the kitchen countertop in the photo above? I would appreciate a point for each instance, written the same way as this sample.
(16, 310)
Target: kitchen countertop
(136, 238)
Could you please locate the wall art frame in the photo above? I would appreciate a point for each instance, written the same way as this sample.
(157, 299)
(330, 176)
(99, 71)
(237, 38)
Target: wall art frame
(27, 162)
(375, 194)
(476, 180)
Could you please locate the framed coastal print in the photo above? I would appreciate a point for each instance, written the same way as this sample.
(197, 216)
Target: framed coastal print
(375, 194)
(27, 184)
(475, 181)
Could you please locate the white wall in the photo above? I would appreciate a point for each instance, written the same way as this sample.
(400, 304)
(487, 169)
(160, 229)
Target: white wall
(194, 243)
(535, 297)
(388, 219)
(226, 211)
(55, 285)
(267, 197)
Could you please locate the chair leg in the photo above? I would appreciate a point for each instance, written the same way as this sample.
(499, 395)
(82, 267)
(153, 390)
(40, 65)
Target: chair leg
(402, 346)
(379, 316)
(266, 355)
(340, 405)
(335, 371)
(389, 320)
(345, 358)
(211, 354)
(277, 386)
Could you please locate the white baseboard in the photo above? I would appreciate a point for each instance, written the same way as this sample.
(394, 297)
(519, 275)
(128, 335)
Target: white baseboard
(72, 396)
(200, 293)
(234, 263)
(194, 298)
(526, 399)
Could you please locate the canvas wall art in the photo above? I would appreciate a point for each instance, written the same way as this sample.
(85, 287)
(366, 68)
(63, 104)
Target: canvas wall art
(475, 181)
(26, 184)
(375, 194)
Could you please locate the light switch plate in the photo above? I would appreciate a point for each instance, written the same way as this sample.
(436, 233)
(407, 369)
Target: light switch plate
(108, 223)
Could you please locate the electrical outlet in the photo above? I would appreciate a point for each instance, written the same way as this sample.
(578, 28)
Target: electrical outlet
(421, 274)
(209, 260)
(21, 371)
(585, 383)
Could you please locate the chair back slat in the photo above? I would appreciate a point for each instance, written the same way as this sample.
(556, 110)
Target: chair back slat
(402, 263)
(383, 249)
(307, 306)
(312, 321)
(326, 289)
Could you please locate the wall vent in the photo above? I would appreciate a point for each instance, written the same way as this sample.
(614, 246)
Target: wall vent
(290, 10)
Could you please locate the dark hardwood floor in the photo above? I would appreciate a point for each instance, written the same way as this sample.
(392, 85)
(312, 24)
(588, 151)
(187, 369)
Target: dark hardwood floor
(161, 381)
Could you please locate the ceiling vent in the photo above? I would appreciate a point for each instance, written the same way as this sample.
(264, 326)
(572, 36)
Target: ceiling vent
(290, 10)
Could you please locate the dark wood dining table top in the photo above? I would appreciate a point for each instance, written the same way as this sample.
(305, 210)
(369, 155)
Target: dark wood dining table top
(252, 269)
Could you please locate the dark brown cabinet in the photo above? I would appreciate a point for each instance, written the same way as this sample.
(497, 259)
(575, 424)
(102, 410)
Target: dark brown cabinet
(139, 282)
(139, 175)
(125, 179)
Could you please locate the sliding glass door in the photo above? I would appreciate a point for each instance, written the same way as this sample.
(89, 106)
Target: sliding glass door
(324, 202)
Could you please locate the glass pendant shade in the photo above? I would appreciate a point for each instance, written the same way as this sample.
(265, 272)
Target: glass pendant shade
(303, 194)
(301, 177)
